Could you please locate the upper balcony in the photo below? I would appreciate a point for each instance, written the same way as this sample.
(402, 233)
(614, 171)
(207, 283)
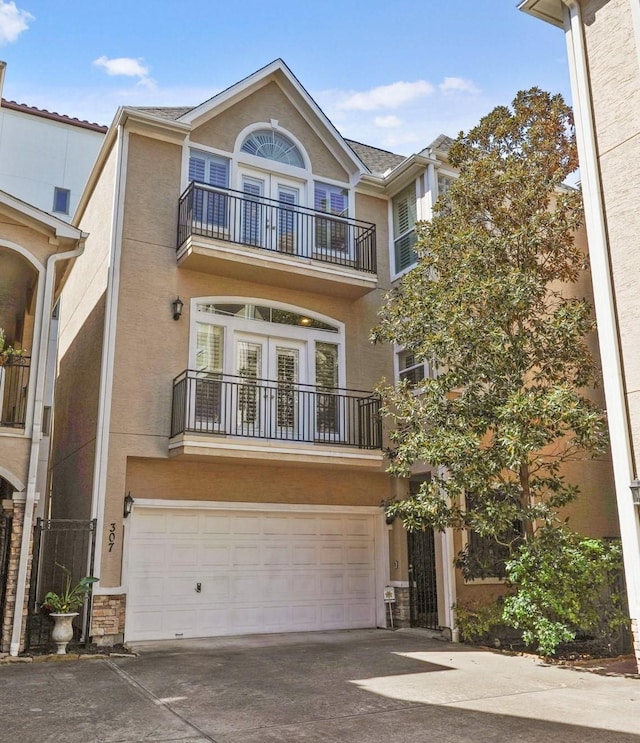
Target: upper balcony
(14, 388)
(234, 234)
(243, 417)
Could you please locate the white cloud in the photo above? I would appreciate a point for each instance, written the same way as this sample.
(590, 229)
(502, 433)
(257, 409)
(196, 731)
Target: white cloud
(385, 96)
(387, 122)
(458, 85)
(13, 22)
(126, 66)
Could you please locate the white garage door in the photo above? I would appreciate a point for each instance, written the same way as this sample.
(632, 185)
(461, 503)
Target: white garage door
(197, 573)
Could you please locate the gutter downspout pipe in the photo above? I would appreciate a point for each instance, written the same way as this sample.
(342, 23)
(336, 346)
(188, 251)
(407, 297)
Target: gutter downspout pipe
(36, 438)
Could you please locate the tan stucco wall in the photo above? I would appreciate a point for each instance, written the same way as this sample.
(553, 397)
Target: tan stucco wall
(82, 309)
(14, 454)
(615, 87)
(265, 104)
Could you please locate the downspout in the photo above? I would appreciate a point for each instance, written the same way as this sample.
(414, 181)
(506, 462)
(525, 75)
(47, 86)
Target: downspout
(36, 438)
(604, 300)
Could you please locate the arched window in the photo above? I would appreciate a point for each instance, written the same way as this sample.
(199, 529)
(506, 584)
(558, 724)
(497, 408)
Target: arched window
(272, 145)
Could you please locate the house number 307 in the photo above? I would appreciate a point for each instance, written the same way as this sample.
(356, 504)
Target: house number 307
(112, 536)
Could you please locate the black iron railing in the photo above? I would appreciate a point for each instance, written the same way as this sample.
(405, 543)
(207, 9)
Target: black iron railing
(14, 388)
(258, 408)
(233, 216)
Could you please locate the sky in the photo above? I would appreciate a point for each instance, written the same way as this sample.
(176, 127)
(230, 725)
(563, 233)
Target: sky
(389, 74)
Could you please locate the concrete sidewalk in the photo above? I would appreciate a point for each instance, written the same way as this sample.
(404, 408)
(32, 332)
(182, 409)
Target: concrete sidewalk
(363, 686)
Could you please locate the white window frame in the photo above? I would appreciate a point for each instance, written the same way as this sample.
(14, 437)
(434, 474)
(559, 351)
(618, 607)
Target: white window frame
(267, 329)
(395, 273)
(429, 371)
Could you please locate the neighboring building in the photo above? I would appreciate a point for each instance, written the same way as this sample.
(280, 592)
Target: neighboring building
(45, 157)
(36, 253)
(603, 42)
(238, 424)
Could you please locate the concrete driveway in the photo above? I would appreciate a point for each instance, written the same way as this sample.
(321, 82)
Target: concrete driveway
(364, 686)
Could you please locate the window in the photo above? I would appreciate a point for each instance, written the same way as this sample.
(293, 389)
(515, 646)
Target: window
(267, 371)
(444, 184)
(61, 200)
(331, 234)
(210, 205)
(404, 222)
(271, 145)
(411, 369)
(484, 557)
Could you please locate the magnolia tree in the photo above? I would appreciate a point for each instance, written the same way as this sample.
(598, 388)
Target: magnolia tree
(492, 305)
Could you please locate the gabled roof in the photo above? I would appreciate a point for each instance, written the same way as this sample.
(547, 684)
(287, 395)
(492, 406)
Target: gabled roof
(43, 220)
(171, 113)
(279, 72)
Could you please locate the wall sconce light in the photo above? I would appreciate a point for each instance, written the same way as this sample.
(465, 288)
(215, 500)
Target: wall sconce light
(389, 519)
(128, 504)
(635, 492)
(177, 305)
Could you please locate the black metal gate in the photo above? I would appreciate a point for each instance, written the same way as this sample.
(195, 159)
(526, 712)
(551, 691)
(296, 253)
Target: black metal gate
(423, 597)
(59, 542)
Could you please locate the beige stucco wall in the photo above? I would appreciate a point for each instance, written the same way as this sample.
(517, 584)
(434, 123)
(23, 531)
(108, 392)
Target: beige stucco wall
(615, 87)
(82, 308)
(265, 104)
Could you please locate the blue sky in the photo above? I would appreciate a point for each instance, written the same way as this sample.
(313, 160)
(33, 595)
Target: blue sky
(394, 75)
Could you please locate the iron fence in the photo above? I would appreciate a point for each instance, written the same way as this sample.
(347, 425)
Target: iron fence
(258, 222)
(56, 543)
(239, 406)
(14, 388)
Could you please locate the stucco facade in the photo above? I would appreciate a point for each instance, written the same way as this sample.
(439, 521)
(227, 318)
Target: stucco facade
(245, 428)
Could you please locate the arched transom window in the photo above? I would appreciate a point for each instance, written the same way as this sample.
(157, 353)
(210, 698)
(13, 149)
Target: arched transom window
(272, 145)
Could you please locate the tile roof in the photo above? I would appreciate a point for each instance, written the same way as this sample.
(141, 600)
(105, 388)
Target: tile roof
(53, 116)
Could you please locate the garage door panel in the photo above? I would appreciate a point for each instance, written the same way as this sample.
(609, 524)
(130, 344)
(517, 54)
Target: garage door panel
(216, 524)
(246, 525)
(150, 555)
(331, 555)
(184, 523)
(183, 555)
(259, 572)
(303, 555)
(359, 555)
(216, 555)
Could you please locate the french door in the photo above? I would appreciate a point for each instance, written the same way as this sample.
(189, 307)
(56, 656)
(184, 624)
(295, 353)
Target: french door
(265, 223)
(270, 401)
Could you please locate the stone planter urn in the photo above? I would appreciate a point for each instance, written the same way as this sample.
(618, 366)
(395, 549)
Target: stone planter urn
(62, 630)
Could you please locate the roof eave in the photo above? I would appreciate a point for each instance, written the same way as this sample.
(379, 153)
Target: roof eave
(550, 11)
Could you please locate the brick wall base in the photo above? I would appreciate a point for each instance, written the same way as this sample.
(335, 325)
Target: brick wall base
(14, 508)
(107, 620)
(400, 610)
(635, 632)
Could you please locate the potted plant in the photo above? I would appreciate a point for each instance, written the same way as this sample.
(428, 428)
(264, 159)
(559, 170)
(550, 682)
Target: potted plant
(9, 354)
(62, 607)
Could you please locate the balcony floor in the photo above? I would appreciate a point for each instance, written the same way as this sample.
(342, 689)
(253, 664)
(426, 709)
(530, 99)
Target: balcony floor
(193, 447)
(208, 255)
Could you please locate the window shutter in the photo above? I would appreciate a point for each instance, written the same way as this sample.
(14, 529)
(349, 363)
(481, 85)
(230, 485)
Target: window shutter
(209, 348)
(404, 211)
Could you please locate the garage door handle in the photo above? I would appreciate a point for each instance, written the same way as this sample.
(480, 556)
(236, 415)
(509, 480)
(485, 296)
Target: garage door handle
(198, 587)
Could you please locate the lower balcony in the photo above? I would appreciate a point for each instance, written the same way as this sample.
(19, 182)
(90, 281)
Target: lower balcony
(14, 388)
(236, 234)
(239, 417)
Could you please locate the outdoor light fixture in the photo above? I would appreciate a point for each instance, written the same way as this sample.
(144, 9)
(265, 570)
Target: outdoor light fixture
(305, 321)
(177, 305)
(635, 492)
(128, 504)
